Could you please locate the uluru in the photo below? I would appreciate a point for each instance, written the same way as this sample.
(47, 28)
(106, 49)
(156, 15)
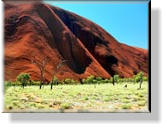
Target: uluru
(38, 30)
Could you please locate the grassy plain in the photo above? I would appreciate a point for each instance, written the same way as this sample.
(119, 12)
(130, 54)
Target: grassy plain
(77, 98)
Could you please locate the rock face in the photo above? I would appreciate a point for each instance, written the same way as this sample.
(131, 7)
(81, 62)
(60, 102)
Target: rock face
(40, 30)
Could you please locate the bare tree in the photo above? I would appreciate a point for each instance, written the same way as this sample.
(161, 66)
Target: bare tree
(41, 64)
(56, 70)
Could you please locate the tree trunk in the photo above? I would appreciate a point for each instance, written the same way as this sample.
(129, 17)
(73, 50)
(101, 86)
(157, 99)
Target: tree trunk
(51, 87)
(41, 83)
(40, 86)
(113, 82)
(140, 84)
(23, 85)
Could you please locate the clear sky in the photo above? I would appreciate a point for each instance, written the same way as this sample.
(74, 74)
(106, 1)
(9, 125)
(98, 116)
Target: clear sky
(127, 22)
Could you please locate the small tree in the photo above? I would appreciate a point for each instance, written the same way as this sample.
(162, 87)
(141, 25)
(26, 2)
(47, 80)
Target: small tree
(134, 79)
(89, 80)
(99, 80)
(139, 78)
(145, 78)
(69, 81)
(41, 64)
(23, 78)
(53, 82)
(115, 79)
(56, 70)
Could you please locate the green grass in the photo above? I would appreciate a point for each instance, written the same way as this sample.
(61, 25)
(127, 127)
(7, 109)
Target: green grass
(77, 98)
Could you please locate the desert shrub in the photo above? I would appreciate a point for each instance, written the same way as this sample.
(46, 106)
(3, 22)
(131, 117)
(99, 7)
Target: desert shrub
(89, 80)
(16, 83)
(23, 78)
(130, 79)
(126, 106)
(8, 83)
(145, 78)
(69, 81)
(61, 82)
(55, 81)
(106, 81)
(33, 82)
(124, 80)
(127, 79)
(110, 80)
(141, 103)
(138, 77)
(121, 80)
(115, 79)
(99, 78)
(65, 105)
(83, 81)
(95, 80)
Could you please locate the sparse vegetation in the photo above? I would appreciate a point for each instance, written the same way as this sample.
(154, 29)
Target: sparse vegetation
(94, 94)
(139, 78)
(126, 106)
(69, 81)
(23, 78)
(115, 79)
(54, 81)
(41, 65)
(89, 80)
(56, 69)
(80, 97)
(65, 106)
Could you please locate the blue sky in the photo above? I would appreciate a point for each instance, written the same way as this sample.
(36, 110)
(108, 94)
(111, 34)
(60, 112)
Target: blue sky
(127, 22)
